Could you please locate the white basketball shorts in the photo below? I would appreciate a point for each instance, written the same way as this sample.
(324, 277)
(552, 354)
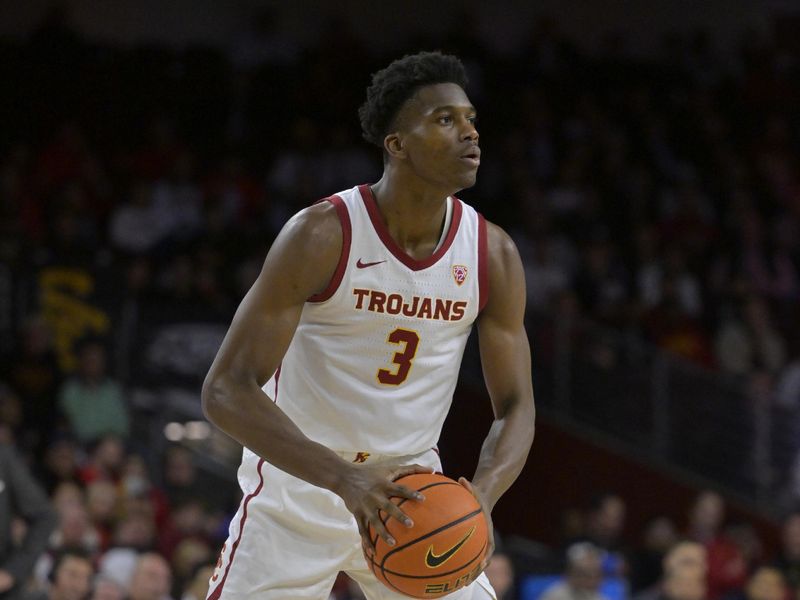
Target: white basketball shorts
(289, 540)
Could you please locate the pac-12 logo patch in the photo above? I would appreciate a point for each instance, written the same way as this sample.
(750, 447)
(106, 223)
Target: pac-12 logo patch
(459, 273)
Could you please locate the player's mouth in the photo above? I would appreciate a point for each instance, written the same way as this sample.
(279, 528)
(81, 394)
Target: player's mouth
(472, 157)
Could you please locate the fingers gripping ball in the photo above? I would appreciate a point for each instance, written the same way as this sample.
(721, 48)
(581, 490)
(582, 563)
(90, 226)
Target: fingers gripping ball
(443, 549)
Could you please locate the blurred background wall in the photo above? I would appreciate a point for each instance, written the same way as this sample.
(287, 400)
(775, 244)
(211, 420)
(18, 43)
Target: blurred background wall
(387, 26)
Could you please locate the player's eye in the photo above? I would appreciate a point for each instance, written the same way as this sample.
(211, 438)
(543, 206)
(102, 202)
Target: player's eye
(473, 119)
(445, 119)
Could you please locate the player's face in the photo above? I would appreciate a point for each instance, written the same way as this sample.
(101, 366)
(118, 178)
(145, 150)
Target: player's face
(439, 136)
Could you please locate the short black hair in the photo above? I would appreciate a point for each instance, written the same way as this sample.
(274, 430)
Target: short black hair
(66, 552)
(398, 82)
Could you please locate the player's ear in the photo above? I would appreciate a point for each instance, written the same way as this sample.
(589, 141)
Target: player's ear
(393, 144)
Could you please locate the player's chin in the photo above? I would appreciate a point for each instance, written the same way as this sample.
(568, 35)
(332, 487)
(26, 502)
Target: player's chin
(466, 179)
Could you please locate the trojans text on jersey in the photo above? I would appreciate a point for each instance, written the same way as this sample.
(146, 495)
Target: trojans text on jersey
(421, 307)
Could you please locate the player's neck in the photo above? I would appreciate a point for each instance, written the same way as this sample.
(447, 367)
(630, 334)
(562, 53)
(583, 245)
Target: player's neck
(412, 211)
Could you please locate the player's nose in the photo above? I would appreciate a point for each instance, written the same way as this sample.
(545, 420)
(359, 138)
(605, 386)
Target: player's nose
(470, 133)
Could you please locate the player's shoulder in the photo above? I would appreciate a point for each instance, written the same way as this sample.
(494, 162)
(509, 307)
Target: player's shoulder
(319, 224)
(500, 246)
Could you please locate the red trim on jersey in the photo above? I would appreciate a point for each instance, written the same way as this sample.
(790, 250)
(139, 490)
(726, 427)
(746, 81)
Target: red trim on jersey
(344, 219)
(218, 591)
(483, 263)
(391, 245)
(277, 379)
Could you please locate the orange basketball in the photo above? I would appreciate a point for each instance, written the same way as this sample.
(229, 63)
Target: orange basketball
(440, 553)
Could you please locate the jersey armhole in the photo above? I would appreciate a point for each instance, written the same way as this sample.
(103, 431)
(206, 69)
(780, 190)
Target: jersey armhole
(483, 263)
(338, 274)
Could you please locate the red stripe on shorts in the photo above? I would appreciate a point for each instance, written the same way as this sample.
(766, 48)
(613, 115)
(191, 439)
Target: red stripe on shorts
(277, 380)
(218, 591)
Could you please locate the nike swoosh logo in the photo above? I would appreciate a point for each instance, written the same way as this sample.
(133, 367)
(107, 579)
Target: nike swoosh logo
(434, 560)
(363, 265)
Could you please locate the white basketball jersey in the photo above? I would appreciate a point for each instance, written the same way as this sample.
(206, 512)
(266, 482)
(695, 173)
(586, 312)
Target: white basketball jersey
(375, 359)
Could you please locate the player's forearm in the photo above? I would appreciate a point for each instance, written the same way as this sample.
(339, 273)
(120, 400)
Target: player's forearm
(244, 412)
(505, 451)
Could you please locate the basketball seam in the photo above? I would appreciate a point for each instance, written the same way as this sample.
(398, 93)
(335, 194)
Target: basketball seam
(432, 533)
(427, 535)
(431, 576)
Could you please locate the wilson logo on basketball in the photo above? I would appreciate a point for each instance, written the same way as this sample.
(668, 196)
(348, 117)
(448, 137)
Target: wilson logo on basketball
(459, 274)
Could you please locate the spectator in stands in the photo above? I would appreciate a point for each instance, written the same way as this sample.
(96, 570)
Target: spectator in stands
(749, 341)
(653, 274)
(60, 464)
(68, 493)
(189, 554)
(582, 576)
(501, 575)
(107, 589)
(118, 565)
(684, 569)
(140, 495)
(20, 497)
(75, 530)
(197, 586)
(787, 388)
(11, 416)
(683, 584)
(177, 200)
(33, 373)
(136, 530)
(183, 482)
(659, 537)
(180, 475)
(106, 460)
(92, 401)
(768, 257)
(788, 560)
(766, 583)
(71, 576)
(705, 517)
(744, 537)
(727, 567)
(602, 284)
(152, 578)
(605, 523)
(674, 330)
(687, 556)
(545, 277)
(134, 226)
(187, 520)
(103, 501)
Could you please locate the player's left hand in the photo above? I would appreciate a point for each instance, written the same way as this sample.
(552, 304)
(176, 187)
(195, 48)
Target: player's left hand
(487, 512)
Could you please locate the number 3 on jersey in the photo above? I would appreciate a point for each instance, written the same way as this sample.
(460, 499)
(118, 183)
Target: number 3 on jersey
(410, 341)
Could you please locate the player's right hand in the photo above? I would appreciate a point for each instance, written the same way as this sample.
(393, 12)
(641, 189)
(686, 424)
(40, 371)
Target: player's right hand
(368, 489)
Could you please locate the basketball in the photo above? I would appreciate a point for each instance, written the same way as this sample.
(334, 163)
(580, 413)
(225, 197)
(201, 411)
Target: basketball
(447, 542)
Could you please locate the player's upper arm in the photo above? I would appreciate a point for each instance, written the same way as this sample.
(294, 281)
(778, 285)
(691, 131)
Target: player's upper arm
(300, 263)
(505, 352)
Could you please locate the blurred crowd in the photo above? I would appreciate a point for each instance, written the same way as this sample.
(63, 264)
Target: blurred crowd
(707, 556)
(89, 521)
(141, 186)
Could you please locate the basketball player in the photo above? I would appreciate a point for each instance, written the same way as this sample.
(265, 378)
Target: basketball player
(339, 367)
